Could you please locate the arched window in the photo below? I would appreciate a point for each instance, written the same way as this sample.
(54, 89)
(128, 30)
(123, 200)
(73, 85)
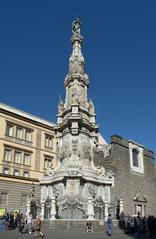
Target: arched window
(135, 158)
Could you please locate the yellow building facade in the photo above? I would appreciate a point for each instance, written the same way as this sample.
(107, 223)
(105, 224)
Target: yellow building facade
(27, 149)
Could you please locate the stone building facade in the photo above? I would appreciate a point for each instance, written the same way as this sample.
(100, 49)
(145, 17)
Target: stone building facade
(27, 148)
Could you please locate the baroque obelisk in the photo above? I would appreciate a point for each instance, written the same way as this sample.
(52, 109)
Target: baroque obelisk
(76, 189)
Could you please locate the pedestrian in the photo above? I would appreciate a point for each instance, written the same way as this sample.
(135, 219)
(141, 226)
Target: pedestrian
(29, 222)
(11, 221)
(89, 226)
(38, 227)
(109, 225)
(139, 225)
(21, 224)
(3, 221)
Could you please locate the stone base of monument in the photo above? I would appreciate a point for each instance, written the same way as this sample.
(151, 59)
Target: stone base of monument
(72, 225)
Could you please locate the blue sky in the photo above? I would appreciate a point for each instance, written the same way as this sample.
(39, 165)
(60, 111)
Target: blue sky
(120, 53)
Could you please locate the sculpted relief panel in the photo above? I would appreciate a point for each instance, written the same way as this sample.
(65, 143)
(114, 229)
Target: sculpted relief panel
(77, 95)
(85, 150)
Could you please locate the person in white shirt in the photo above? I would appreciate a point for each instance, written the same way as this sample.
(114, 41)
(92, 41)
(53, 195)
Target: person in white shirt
(29, 222)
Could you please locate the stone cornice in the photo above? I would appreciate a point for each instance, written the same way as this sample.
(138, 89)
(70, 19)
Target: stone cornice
(6, 109)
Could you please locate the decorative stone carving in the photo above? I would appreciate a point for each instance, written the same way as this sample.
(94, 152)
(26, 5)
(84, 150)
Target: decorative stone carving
(101, 170)
(65, 152)
(71, 202)
(110, 174)
(86, 151)
(74, 144)
(50, 171)
(91, 107)
(139, 197)
(75, 96)
(60, 106)
(90, 208)
(82, 97)
(73, 187)
(53, 208)
(76, 66)
(104, 149)
(99, 208)
(91, 192)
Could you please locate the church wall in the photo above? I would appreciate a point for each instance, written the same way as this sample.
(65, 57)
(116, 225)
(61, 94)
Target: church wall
(129, 183)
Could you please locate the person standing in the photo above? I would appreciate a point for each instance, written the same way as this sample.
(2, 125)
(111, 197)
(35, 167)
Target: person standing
(139, 225)
(109, 225)
(29, 222)
(11, 221)
(21, 224)
(3, 222)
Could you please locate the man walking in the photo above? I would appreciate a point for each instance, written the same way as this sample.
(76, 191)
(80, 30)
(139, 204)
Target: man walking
(109, 225)
(38, 227)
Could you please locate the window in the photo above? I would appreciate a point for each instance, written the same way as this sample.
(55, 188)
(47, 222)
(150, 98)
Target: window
(19, 132)
(27, 159)
(6, 170)
(17, 157)
(7, 154)
(23, 200)
(10, 130)
(48, 140)
(26, 174)
(16, 172)
(3, 198)
(28, 135)
(47, 162)
(136, 157)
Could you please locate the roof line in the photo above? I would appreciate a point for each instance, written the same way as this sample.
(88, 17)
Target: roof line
(25, 114)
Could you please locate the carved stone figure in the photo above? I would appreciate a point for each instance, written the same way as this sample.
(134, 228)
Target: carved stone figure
(101, 152)
(60, 106)
(75, 96)
(91, 107)
(86, 151)
(82, 97)
(76, 25)
(65, 152)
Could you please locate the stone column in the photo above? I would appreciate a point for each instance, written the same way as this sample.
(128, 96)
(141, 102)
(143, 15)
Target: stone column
(106, 211)
(90, 208)
(53, 208)
(28, 207)
(121, 205)
(42, 210)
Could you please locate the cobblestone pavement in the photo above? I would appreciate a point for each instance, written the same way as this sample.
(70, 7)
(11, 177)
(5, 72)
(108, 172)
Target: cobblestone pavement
(70, 235)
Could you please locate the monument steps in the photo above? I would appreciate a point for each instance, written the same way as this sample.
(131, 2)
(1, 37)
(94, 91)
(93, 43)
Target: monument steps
(76, 225)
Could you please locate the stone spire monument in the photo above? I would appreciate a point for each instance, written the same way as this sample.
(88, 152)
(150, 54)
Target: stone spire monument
(76, 189)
